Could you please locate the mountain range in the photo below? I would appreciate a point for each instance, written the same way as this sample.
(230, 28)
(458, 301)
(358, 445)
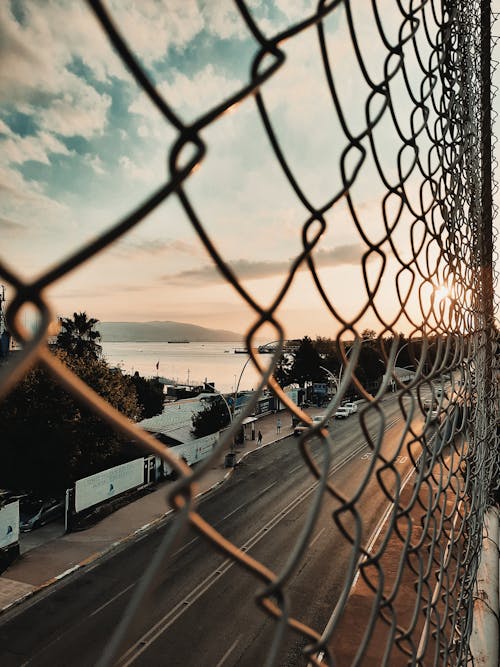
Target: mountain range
(156, 332)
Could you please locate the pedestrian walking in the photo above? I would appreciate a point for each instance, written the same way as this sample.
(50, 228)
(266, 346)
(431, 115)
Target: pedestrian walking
(259, 439)
(278, 425)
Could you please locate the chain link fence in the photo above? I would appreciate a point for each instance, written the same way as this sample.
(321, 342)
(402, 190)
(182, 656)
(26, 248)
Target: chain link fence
(421, 143)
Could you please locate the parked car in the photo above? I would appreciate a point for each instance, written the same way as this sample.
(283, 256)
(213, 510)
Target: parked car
(430, 404)
(319, 418)
(300, 428)
(352, 407)
(37, 513)
(342, 412)
(434, 415)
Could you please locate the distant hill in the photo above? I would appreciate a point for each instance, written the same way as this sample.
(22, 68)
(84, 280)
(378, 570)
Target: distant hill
(162, 332)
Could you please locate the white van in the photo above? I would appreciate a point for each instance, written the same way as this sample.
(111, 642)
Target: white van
(352, 407)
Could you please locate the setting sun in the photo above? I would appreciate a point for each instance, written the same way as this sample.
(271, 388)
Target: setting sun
(441, 293)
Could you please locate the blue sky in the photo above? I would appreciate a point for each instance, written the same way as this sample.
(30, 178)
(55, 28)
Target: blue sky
(81, 145)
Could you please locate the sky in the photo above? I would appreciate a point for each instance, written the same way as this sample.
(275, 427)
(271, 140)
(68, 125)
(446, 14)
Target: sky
(81, 145)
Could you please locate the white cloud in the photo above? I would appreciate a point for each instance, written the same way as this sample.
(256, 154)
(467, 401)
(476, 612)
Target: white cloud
(151, 27)
(25, 201)
(16, 149)
(188, 95)
(95, 162)
(296, 10)
(136, 172)
(35, 70)
(4, 128)
(81, 111)
(223, 20)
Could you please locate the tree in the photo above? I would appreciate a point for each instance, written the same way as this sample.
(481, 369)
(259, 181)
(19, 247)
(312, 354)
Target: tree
(49, 440)
(78, 336)
(369, 334)
(306, 364)
(214, 417)
(282, 370)
(149, 395)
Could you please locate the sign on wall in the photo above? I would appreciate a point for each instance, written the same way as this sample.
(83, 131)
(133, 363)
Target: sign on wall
(108, 483)
(9, 524)
(193, 451)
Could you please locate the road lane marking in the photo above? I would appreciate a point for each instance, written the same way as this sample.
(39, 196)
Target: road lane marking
(176, 612)
(223, 569)
(179, 609)
(69, 630)
(229, 651)
(248, 502)
(111, 600)
(317, 537)
(373, 538)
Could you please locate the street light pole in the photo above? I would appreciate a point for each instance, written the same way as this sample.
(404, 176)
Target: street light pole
(332, 376)
(395, 362)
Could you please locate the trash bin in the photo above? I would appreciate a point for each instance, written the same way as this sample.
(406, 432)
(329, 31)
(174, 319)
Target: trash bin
(230, 460)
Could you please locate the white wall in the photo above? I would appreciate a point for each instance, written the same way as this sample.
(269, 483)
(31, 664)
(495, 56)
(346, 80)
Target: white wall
(9, 524)
(108, 483)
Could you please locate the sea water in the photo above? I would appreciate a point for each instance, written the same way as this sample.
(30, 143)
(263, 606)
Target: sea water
(187, 363)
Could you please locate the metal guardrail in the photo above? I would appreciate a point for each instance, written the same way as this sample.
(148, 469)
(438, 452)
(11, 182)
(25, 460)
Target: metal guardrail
(426, 137)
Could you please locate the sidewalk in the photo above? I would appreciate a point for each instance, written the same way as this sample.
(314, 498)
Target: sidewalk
(43, 565)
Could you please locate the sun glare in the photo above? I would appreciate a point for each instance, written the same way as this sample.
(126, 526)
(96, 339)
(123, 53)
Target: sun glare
(441, 293)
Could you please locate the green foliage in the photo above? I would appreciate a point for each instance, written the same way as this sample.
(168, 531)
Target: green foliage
(49, 440)
(78, 336)
(149, 395)
(211, 419)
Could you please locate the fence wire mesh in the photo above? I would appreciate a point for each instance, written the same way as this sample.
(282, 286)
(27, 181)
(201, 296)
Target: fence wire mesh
(421, 140)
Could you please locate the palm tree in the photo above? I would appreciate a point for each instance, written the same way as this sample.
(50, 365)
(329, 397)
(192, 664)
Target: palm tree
(78, 336)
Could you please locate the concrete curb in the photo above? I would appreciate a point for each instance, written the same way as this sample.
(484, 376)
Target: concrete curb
(116, 547)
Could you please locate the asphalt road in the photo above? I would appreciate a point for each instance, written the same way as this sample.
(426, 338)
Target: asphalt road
(202, 611)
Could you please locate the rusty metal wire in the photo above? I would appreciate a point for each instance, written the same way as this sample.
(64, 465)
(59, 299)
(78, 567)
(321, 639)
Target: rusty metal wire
(431, 167)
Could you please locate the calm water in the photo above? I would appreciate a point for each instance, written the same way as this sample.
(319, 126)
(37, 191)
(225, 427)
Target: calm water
(186, 362)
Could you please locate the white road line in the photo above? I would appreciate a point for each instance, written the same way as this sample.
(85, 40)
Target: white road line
(317, 537)
(115, 597)
(373, 538)
(248, 502)
(176, 612)
(229, 651)
(188, 544)
(69, 630)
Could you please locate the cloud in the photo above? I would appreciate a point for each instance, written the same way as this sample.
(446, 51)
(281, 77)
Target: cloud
(25, 200)
(152, 28)
(80, 111)
(255, 270)
(188, 95)
(155, 246)
(4, 128)
(11, 226)
(37, 57)
(95, 163)
(15, 149)
(136, 172)
(223, 20)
